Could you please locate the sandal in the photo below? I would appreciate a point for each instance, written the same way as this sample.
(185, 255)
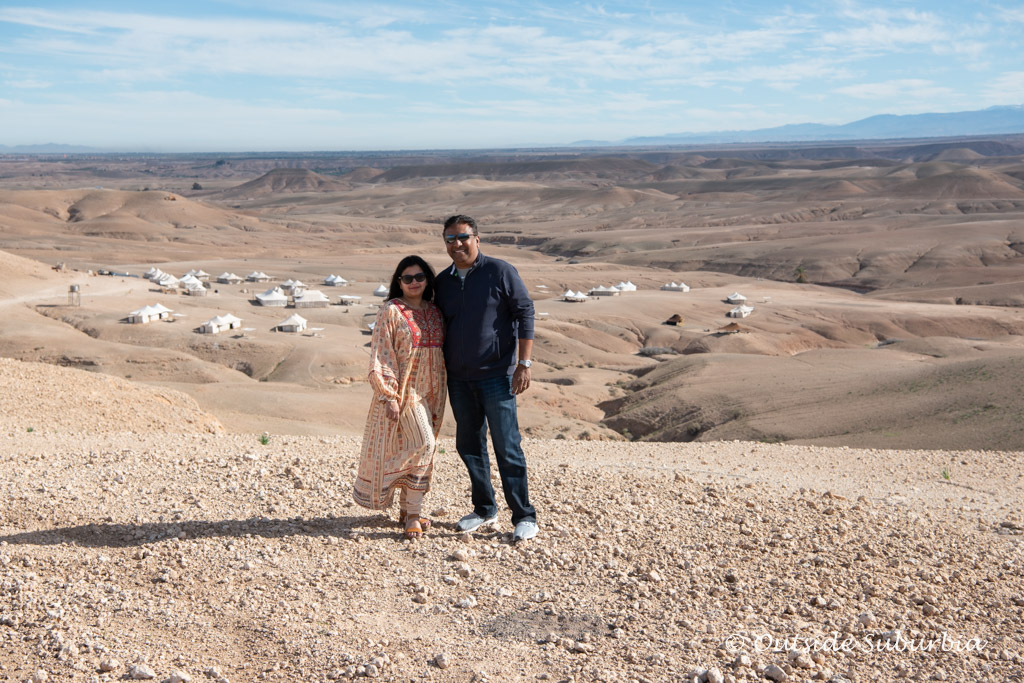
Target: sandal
(413, 529)
(425, 522)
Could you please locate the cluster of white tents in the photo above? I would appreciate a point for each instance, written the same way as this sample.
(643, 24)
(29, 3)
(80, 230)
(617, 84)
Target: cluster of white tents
(227, 278)
(191, 282)
(221, 323)
(675, 287)
(741, 310)
(614, 290)
(333, 280)
(293, 287)
(193, 285)
(309, 298)
(257, 276)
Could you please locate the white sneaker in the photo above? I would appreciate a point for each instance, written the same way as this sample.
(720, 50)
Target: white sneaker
(525, 530)
(473, 521)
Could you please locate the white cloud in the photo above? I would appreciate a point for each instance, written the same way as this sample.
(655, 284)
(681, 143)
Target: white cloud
(29, 84)
(901, 89)
(1006, 88)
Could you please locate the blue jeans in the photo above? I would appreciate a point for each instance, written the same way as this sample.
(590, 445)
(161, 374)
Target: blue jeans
(477, 406)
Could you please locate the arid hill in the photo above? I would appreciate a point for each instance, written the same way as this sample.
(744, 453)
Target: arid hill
(919, 244)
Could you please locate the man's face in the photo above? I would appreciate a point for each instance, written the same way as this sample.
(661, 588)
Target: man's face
(463, 246)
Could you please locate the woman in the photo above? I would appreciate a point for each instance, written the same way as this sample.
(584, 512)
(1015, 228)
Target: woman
(408, 379)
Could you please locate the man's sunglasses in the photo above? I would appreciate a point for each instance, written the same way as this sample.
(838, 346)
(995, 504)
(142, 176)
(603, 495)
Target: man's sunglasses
(408, 279)
(461, 237)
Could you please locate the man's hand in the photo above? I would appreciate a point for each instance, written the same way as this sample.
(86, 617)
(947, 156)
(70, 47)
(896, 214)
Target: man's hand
(520, 379)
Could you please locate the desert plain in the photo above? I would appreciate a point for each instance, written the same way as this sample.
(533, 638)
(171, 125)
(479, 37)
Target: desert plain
(828, 490)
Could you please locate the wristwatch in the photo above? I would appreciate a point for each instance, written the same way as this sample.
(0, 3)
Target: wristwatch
(524, 363)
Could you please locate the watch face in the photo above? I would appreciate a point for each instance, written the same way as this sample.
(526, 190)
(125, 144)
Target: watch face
(525, 363)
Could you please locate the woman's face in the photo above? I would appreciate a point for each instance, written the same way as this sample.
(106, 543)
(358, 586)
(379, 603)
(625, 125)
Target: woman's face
(413, 289)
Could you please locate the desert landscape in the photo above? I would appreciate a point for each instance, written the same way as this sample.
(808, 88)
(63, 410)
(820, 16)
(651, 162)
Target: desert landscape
(718, 496)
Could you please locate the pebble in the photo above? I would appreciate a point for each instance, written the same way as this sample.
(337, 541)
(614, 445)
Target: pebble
(178, 677)
(40, 677)
(109, 664)
(441, 660)
(460, 555)
(774, 673)
(141, 672)
(466, 602)
(714, 676)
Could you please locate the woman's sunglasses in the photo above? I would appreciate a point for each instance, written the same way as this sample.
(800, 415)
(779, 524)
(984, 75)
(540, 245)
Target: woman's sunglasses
(408, 279)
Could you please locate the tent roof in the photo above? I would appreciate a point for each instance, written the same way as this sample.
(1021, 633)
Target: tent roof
(312, 295)
(272, 293)
(225, 319)
(293, 319)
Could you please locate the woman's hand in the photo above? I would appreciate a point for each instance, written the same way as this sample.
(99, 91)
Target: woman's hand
(391, 409)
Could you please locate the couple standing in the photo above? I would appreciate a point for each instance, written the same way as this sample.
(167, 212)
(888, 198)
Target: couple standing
(467, 332)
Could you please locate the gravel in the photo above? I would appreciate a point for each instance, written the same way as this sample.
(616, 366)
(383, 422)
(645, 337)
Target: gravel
(175, 553)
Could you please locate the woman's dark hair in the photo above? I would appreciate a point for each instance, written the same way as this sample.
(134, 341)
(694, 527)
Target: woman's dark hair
(395, 290)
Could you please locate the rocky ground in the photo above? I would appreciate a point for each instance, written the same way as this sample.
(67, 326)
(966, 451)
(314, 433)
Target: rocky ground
(137, 548)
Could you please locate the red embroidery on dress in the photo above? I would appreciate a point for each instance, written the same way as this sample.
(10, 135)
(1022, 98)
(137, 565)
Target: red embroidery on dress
(426, 324)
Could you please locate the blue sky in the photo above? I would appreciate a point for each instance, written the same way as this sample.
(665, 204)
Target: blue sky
(303, 75)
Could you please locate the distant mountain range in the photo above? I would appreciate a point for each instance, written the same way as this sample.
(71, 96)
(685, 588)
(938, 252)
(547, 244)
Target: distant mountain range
(1003, 120)
(49, 148)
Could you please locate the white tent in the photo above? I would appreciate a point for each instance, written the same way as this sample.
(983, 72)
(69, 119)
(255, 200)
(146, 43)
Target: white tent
(272, 297)
(294, 323)
(349, 299)
(575, 297)
(604, 291)
(626, 286)
(220, 323)
(740, 311)
(198, 274)
(293, 286)
(381, 291)
(257, 276)
(152, 273)
(195, 289)
(228, 278)
(167, 281)
(675, 287)
(335, 281)
(148, 313)
(313, 298)
(736, 298)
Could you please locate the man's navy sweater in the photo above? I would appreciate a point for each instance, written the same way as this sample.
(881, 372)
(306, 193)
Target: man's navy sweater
(484, 316)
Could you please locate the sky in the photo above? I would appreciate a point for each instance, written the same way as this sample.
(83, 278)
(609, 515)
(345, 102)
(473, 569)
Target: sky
(329, 75)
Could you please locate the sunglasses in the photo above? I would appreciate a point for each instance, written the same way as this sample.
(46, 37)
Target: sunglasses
(461, 237)
(409, 279)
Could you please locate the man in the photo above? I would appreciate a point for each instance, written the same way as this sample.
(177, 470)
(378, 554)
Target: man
(487, 310)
